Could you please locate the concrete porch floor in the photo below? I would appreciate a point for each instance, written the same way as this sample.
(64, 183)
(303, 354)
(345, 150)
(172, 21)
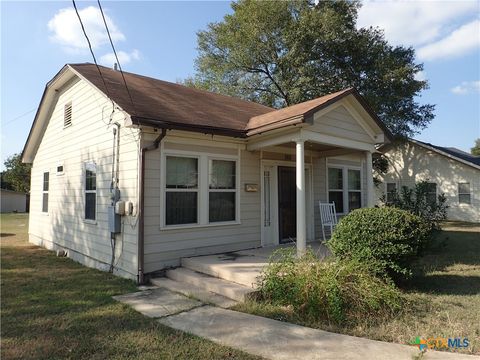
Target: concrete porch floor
(242, 267)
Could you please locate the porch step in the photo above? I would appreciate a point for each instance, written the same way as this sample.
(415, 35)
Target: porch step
(219, 286)
(194, 291)
(241, 267)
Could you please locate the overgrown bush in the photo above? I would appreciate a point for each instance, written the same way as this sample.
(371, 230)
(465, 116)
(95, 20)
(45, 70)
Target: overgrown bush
(339, 291)
(386, 239)
(421, 201)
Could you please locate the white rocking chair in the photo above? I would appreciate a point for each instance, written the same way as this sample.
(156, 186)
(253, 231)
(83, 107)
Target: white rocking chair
(328, 216)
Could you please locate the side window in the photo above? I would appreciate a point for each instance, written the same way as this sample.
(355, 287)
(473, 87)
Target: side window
(354, 189)
(90, 191)
(464, 196)
(222, 191)
(181, 192)
(46, 186)
(432, 193)
(391, 188)
(335, 188)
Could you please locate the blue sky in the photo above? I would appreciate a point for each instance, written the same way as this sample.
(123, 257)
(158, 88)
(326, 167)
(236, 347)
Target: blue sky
(158, 39)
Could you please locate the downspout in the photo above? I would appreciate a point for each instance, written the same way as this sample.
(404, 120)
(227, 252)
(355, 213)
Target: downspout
(141, 220)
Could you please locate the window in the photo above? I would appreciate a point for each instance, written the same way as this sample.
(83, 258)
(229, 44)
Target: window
(90, 191)
(431, 193)
(222, 191)
(199, 189)
(345, 188)
(67, 115)
(46, 185)
(60, 169)
(464, 196)
(391, 189)
(335, 188)
(181, 197)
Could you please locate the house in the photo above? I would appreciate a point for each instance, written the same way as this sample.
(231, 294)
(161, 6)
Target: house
(450, 171)
(13, 201)
(134, 175)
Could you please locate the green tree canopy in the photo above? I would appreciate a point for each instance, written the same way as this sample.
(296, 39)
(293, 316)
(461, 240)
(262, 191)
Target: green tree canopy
(279, 53)
(17, 174)
(476, 149)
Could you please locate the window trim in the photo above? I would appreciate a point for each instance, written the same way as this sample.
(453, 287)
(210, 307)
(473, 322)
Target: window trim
(46, 191)
(85, 192)
(345, 190)
(203, 188)
(469, 193)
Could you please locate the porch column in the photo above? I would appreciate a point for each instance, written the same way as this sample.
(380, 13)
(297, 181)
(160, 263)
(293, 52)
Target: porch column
(370, 187)
(301, 213)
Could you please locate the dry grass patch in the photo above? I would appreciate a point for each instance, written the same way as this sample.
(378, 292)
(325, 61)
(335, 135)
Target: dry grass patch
(54, 308)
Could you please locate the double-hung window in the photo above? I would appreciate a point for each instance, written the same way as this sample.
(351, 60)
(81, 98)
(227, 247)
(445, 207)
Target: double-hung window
(181, 190)
(464, 196)
(90, 191)
(199, 190)
(345, 188)
(391, 189)
(431, 193)
(46, 186)
(222, 191)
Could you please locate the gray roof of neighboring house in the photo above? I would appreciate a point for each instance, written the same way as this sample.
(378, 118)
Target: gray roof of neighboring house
(453, 152)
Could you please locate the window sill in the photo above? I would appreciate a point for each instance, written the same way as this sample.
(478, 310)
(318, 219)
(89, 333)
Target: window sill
(196, 226)
(91, 222)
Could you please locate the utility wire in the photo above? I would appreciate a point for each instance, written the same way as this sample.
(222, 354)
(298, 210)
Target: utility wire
(116, 57)
(18, 117)
(90, 47)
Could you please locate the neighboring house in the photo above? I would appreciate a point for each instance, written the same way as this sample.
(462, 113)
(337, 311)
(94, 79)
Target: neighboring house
(13, 201)
(448, 170)
(199, 173)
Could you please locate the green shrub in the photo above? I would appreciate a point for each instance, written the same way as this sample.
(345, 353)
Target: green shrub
(421, 201)
(386, 239)
(339, 291)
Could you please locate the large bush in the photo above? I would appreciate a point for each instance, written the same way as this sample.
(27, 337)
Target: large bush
(386, 239)
(339, 291)
(422, 201)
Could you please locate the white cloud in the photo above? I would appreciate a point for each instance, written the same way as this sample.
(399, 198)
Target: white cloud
(466, 87)
(421, 76)
(461, 41)
(414, 23)
(66, 29)
(123, 57)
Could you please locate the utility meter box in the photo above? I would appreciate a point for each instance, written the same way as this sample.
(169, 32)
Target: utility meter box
(114, 221)
(120, 207)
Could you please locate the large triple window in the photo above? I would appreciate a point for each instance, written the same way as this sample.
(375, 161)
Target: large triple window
(345, 188)
(200, 190)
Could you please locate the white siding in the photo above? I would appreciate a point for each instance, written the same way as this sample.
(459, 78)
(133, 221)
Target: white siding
(410, 163)
(89, 138)
(340, 123)
(164, 248)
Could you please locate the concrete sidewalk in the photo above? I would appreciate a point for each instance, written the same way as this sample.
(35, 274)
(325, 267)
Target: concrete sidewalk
(273, 339)
(268, 338)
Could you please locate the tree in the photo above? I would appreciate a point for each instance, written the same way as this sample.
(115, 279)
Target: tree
(17, 174)
(280, 53)
(476, 149)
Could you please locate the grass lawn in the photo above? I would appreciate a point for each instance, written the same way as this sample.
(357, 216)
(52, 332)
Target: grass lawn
(54, 308)
(445, 299)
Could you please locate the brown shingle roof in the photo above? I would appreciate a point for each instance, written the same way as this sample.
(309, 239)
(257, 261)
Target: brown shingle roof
(160, 103)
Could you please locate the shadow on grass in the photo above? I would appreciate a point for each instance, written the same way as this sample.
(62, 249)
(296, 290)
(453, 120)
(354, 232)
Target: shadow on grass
(446, 284)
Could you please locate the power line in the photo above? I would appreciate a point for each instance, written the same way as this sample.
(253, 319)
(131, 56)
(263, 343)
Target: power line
(116, 57)
(19, 117)
(90, 47)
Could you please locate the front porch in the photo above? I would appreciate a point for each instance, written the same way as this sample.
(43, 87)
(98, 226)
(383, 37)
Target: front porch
(242, 267)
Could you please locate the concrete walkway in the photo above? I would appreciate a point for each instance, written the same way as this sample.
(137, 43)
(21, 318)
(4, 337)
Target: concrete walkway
(268, 338)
